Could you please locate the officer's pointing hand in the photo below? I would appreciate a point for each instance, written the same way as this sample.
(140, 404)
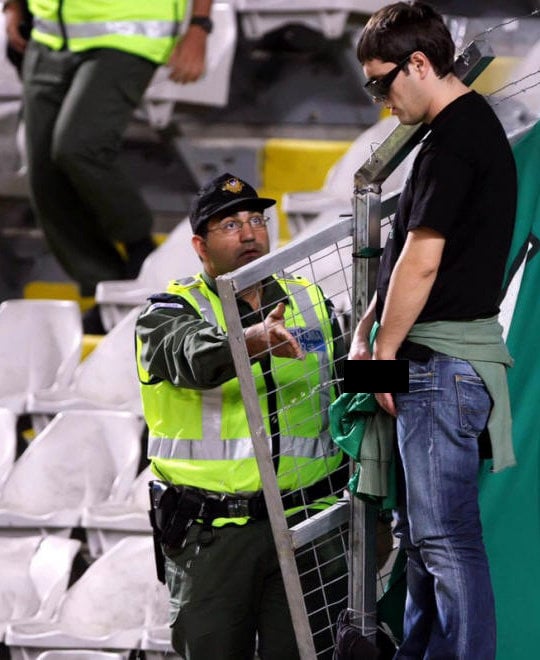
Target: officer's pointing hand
(271, 334)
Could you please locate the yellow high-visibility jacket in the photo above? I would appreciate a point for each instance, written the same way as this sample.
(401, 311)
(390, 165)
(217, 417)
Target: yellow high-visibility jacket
(148, 28)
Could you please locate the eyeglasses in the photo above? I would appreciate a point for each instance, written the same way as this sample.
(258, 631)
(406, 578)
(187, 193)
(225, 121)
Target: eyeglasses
(230, 226)
(379, 88)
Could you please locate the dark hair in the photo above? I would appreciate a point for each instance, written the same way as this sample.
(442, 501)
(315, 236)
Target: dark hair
(402, 28)
(202, 230)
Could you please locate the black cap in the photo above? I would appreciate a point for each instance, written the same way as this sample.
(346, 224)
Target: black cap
(225, 193)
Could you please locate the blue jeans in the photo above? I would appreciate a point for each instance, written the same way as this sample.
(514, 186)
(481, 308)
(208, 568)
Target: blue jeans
(449, 611)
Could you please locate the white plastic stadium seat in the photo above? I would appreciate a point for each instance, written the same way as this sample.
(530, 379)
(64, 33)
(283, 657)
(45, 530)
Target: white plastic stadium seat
(327, 16)
(108, 522)
(156, 637)
(40, 343)
(174, 258)
(213, 87)
(35, 573)
(18, 596)
(104, 609)
(80, 458)
(8, 442)
(105, 380)
(337, 191)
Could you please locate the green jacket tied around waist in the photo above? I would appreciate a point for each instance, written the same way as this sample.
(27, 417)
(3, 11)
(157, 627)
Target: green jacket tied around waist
(479, 342)
(365, 432)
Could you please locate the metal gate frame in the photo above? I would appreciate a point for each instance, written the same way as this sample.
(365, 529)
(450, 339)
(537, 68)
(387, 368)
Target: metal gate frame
(287, 539)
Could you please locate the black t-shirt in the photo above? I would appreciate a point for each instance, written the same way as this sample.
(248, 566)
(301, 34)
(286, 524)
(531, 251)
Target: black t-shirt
(463, 185)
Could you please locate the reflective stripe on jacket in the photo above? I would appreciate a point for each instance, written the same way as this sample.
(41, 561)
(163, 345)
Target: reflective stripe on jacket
(141, 27)
(202, 438)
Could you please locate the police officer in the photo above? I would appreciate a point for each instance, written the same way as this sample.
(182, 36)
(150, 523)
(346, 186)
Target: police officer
(86, 68)
(222, 570)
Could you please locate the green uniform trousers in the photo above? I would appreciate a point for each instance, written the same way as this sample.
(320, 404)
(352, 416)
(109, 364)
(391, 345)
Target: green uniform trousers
(76, 109)
(227, 594)
(228, 599)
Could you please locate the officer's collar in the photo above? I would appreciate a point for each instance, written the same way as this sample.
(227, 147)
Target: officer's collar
(272, 292)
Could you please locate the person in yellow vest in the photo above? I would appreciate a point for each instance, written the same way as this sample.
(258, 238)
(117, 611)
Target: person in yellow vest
(86, 67)
(208, 510)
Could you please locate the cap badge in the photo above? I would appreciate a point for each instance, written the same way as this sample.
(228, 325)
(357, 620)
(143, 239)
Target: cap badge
(233, 186)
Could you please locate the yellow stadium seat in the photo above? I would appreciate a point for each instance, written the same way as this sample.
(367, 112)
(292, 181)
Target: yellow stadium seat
(296, 165)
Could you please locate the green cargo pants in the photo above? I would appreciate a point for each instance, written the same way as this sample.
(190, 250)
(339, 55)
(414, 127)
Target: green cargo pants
(76, 109)
(229, 593)
(228, 598)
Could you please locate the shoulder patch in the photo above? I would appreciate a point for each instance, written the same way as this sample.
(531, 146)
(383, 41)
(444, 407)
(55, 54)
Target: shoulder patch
(164, 301)
(164, 297)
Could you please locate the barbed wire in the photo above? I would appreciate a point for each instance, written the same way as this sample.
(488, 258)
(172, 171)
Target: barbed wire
(535, 12)
(512, 84)
(487, 31)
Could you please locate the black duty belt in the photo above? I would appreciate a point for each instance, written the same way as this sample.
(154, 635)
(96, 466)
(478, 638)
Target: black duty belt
(195, 504)
(254, 507)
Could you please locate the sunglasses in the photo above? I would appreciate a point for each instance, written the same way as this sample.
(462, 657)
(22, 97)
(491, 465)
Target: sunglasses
(379, 88)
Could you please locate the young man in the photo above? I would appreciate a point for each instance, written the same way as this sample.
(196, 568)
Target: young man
(438, 291)
(221, 565)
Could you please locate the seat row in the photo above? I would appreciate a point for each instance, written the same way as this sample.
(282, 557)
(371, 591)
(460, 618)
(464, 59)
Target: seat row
(40, 350)
(115, 607)
(79, 472)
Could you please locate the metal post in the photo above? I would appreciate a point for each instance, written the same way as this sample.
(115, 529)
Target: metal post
(363, 520)
(261, 448)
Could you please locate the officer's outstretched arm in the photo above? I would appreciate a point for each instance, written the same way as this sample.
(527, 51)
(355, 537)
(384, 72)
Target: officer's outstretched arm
(272, 335)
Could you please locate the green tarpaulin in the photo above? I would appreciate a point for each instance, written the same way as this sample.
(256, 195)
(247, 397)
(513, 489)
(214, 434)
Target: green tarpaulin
(510, 500)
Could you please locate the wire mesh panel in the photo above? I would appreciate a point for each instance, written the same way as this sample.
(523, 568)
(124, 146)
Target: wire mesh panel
(303, 472)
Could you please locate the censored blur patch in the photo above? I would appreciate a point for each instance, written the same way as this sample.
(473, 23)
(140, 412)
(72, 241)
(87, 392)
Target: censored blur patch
(373, 376)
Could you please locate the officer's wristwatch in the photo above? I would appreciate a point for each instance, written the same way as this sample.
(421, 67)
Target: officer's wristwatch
(203, 22)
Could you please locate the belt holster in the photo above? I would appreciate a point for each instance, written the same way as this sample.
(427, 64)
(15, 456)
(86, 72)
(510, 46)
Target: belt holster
(172, 512)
